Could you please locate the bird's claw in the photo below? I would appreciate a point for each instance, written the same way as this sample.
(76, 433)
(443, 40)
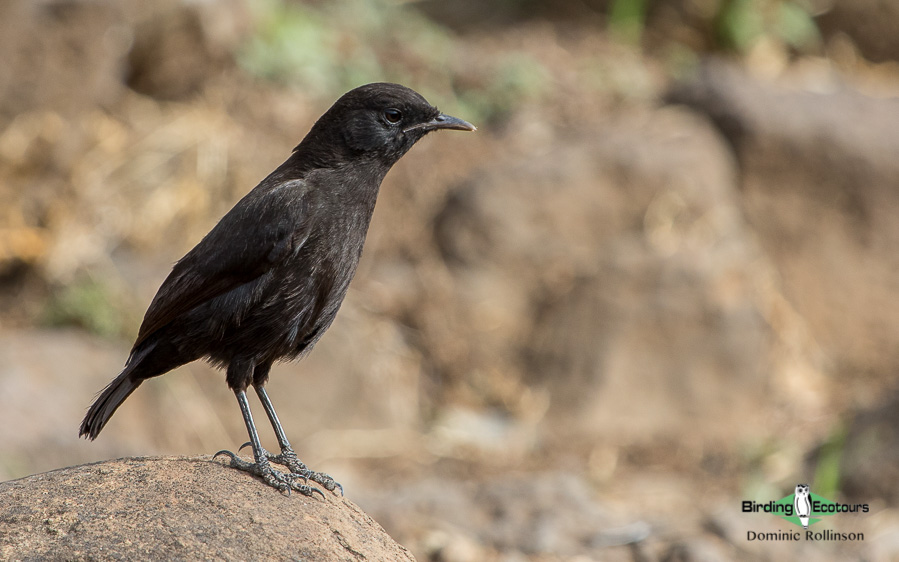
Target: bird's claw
(288, 458)
(282, 481)
(226, 453)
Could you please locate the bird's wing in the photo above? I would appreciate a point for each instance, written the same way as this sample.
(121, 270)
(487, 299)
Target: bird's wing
(266, 226)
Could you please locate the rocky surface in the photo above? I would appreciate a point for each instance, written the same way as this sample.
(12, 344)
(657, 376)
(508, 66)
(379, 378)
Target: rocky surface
(818, 174)
(176, 508)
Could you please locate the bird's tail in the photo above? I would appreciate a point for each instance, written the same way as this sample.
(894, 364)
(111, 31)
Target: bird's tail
(113, 395)
(105, 405)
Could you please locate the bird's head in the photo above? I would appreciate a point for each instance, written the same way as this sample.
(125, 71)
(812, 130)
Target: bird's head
(380, 121)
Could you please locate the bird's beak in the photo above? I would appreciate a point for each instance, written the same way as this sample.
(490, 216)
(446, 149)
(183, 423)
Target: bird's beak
(443, 121)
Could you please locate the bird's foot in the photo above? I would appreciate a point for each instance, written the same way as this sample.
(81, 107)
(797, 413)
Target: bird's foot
(284, 482)
(289, 459)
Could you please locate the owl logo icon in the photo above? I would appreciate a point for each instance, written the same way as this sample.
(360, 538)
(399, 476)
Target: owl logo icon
(802, 504)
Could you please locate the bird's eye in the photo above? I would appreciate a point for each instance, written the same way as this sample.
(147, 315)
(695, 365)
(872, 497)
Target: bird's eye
(393, 115)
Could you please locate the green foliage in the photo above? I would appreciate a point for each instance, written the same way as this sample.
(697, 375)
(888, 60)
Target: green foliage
(88, 304)
(627, 18)
(516, 79)
(827, 471)
(332, 47)
(795, 26)
(291, 43)
(825, 481)
(741, 23)
(738, 24)
(329, 48)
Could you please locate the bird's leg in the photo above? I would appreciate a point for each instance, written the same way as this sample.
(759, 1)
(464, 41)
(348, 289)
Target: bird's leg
(262, 468)
(288, 457)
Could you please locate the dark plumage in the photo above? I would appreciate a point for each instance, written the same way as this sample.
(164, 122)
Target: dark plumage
(267, 281)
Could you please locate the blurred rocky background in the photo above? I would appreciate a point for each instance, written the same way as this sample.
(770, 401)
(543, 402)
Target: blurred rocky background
(659, 280)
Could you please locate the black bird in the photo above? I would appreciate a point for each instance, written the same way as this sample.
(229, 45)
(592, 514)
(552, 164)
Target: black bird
(267, 281)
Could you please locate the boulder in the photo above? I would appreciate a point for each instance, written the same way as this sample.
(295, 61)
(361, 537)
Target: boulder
(179, 508)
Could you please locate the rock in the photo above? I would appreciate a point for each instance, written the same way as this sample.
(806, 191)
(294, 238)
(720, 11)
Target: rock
(80, 43)
(611, 270)
(173, 508)
(873, 26)
(181, 46)
(703, 549)
(819, 171)
(536, 513)
(869, 459)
